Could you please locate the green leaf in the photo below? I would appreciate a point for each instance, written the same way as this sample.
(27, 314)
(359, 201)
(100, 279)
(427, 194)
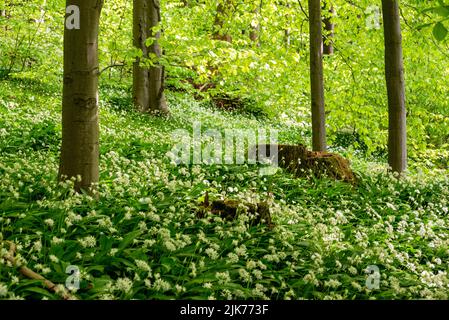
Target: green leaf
(422, 26)
(95, 268)
(442, 11)
(439, 31)
(40, 291)
(128, 239)
(150, 41)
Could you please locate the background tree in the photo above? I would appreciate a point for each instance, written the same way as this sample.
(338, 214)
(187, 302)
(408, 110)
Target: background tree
(287, 30)
(4, 8)
(394, 73)
(316, 76)
(255, 25)
(80, 128)
(223, 12)
(148, 74)
(328, 46)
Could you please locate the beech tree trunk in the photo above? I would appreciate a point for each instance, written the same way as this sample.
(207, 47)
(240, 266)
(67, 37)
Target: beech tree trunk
(80, 128)
(316, 76)
(148, 81)
(328, 47)
(394, 74)
(220, 16)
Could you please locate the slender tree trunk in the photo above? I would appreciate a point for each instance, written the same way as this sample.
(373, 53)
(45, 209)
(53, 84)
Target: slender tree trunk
(5, 7)
(141, 75)
(80, 128)
(394, 74)
(4, 15)
(287, 32)
(316, 76)
(148, 82)
(287, 38)
(222, 11)
(328, 47)
(255, 27)
(254, 34)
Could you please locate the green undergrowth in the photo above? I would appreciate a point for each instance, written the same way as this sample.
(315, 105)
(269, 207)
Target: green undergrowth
(142, 239)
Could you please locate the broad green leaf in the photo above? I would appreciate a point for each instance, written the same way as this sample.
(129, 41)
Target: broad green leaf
(439, 31)
(442, 11)
(128, 239)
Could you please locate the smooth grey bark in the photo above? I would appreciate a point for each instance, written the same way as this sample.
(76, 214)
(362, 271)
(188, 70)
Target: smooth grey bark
(316, 77)
(328, 47)
(394, 74)
(148, 82)
(80, 128)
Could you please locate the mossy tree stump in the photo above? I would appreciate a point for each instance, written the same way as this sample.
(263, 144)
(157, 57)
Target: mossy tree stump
(229, 210)
(304, 163)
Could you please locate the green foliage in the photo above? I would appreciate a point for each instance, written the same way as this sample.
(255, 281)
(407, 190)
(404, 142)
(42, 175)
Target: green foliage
(439, 31)
(31, 38)
(272, 74)
(442, 12)
(142, 240)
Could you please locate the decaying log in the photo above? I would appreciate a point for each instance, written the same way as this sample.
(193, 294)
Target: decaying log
(229, 210)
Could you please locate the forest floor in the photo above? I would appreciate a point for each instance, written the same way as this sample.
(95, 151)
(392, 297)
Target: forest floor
(142, 238)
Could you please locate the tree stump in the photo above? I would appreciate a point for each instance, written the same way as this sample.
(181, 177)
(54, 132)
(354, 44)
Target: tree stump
(229, 210)
(304, 163)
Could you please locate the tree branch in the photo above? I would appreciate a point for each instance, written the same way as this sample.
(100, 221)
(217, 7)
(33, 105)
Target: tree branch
(27, 272)
(112, 66)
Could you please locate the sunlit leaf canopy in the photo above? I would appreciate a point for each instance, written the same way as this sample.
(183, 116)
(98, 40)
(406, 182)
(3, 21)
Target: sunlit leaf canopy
(273, 73)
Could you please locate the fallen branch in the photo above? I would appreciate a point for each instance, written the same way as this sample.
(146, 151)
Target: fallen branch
(27, 272)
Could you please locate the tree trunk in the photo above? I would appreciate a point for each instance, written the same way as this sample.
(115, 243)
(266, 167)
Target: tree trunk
(148, 82)
(80, 128)
(394, 74)
(222, 11)
(4, 10)
(287, 32)
(254, 34)
(255, 27)
(316, 77)
(287, 38)
(328, 47)
(4, 15)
